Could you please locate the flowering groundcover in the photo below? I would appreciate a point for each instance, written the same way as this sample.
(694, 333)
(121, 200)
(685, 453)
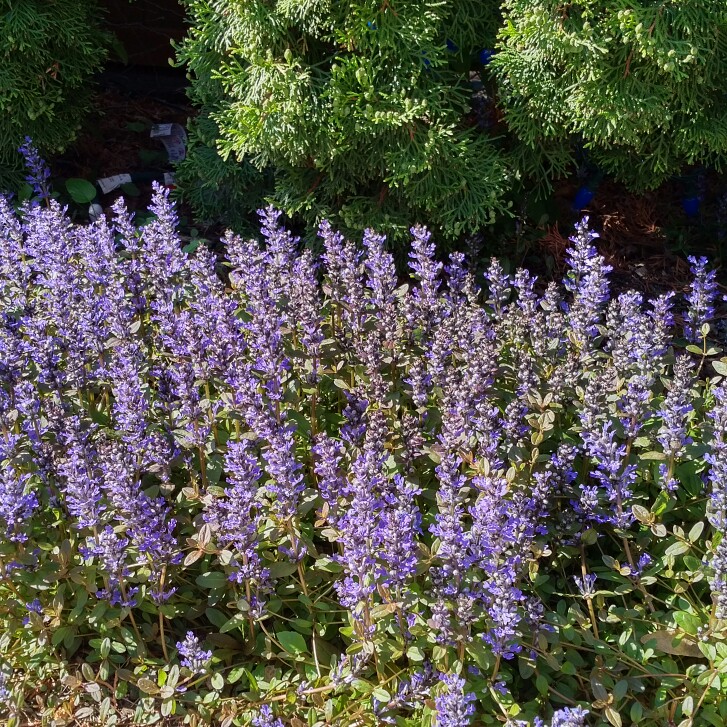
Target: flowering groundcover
(290, 491)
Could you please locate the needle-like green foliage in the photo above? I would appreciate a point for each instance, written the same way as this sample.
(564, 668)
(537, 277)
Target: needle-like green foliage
(360, 108)
(640, 84)
(49, 49)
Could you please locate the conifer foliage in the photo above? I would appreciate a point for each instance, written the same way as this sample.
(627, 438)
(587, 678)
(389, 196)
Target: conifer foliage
(359, 107)
(641, 84)
(49, 49)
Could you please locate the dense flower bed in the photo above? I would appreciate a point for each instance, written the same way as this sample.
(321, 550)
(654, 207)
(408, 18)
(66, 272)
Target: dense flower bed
(296, 491)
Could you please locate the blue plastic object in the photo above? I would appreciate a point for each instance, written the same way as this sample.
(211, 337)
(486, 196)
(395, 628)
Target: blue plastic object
(485, 56)
(583, 197)
(691, 205)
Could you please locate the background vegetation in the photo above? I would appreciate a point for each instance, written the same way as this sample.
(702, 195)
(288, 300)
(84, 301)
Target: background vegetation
(49, 52)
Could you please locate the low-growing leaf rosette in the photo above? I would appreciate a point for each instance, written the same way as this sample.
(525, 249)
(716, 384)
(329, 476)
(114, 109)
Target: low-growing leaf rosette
(274, 489)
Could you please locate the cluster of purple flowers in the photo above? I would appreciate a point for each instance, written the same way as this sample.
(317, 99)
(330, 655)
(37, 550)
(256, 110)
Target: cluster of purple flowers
(399, 420)
(193, 656)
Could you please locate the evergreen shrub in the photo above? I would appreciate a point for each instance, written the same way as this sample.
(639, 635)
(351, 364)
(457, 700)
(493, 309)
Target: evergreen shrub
(309, 493)
(49, 50)
(639, 84)
(359, 109)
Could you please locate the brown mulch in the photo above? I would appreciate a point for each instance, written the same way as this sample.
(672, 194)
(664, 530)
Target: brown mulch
(113, 142)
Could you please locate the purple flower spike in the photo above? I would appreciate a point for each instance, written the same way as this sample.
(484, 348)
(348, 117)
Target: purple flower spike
(266, 718)
(38, 170)
(16, 504)
(455, 706)
(194, 657)
(587, 281)
(717, 512)
(701, 299)
(566, 717)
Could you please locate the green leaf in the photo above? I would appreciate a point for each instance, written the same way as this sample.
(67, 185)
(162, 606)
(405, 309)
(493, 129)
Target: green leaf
(239, 619)
(130, 189)
(669, 643)
(720, 367)
(190, 247)
(687, 621)
(642, 514)
(282, 569)
(414, 653)
(211, 579)
(59, 634)
(677, 548)
(613, 716)
(120, 50)
(542, 684)
(708, 650)
(620, 689)
(292, 642)
(653, 455)
(688, 705)
(81, 190)
(147, 686)
(217, 681)
(25, 192)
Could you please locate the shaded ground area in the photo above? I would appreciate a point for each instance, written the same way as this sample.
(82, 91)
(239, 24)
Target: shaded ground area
(116, 135)
(645, 237)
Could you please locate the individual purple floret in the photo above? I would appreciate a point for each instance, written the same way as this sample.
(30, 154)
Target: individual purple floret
(644, 561)
(343, 265)
(305, 308)
(634, 404)
(414, 690)
(701, 299)
(193, 656)
(662, 321)
(161, 252)
(358, 536)
(81, 485)
(332, 482)
(454, 706)
(35, 606)
(448, 525)
(4, 691)
(279, 255)
(424, 301)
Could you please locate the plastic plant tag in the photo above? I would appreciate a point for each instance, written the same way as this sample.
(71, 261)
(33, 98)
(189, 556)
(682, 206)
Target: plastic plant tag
(174, 138)
(108, 184)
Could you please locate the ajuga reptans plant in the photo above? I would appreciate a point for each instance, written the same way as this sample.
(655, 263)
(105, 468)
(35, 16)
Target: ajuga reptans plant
(308, 490)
